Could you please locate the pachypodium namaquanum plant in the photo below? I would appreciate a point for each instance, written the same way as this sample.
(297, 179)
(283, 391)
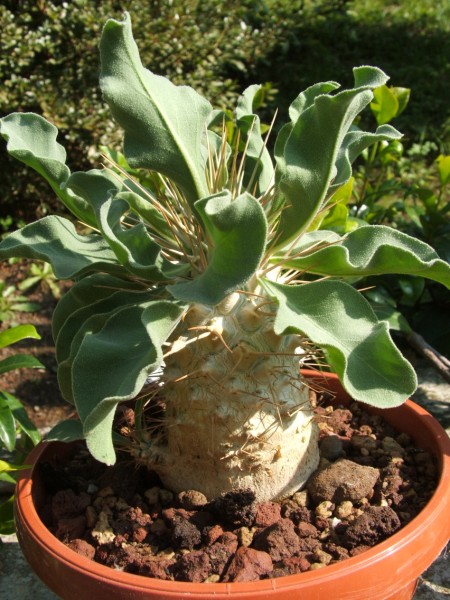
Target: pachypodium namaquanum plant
(218, 274)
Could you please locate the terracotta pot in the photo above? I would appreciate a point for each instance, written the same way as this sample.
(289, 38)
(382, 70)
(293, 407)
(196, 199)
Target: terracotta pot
(386, 571)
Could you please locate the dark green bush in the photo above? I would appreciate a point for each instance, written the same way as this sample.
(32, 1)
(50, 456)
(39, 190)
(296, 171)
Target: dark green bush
(49, 63)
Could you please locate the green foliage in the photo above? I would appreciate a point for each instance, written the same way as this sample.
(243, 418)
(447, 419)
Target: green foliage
(396, 187)
(407, 39)
(17, 432)
(12, 302)
(40, 274)
(205, 228)
(49, 63)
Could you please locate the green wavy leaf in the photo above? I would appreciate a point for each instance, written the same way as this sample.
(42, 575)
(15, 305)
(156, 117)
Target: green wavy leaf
(19, 361)
(359, 348)
(258, 167)
(164, 125)
(55, 240)
(311, 147)
(238, 230)
(16, 334)
(130, 241)
(372, 250)
(112, 364)
(32, 140)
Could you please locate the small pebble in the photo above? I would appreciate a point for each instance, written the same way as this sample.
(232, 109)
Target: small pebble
(104, 492)
(245, 536)
(331, 447)
(91, 516)
(301, 498)
(344, 509)
(192, 500)
(323, 557)
(324, 509)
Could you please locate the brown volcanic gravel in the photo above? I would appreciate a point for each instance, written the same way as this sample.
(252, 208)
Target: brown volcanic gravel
(370, 483)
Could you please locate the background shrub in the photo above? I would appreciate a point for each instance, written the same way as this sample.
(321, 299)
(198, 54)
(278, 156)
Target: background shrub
(49, 64)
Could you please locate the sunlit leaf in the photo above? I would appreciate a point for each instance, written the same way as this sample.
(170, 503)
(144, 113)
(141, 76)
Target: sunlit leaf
(150, 107)
(358, 346)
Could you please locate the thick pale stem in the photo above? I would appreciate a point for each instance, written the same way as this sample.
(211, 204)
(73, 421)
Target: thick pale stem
(236, 414)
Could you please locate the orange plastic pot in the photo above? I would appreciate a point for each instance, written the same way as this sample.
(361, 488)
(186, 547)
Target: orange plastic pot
(387, 571)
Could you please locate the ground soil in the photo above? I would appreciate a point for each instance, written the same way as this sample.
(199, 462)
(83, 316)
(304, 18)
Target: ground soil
(37, 389)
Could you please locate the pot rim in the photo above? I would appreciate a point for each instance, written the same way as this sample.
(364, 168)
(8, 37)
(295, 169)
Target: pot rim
(434, 510)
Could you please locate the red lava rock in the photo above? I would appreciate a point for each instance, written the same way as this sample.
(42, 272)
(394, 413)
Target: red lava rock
(358, 550)
(222, 551)
(291, 566)
(83, 548)
(229, 540)
(202, 519)
(171, 514)
(392, 484)
(279, 540)
(236, 508)
(321, 523)
(342, 480)
(297, 514)
(248, 564)
(101, 554)
(123, 527)
(136, 515)
(139, 534)
(71, 528)
(373, 526)
(159, 569)
(337, 552)
(131, 558)
(309, 544)
(194, 567)
(211, 534)
(66, 503)
(339, 421)
(267, 514)
(306, 530)
(185, 534)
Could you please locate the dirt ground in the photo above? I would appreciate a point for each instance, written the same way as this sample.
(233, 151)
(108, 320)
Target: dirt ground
(36, 388)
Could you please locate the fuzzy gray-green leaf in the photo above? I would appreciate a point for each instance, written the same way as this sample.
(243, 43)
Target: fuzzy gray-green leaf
(113, 363)
(338, 319)
(164, 125)
(354, 143)
(55, 240)
(372, 250)
(32, 140)
(238, 229)
(258, 167)
(131, 243)
(311, 149)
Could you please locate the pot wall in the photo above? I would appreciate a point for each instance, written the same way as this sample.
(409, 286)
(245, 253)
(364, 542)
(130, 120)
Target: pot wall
(386, 572)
